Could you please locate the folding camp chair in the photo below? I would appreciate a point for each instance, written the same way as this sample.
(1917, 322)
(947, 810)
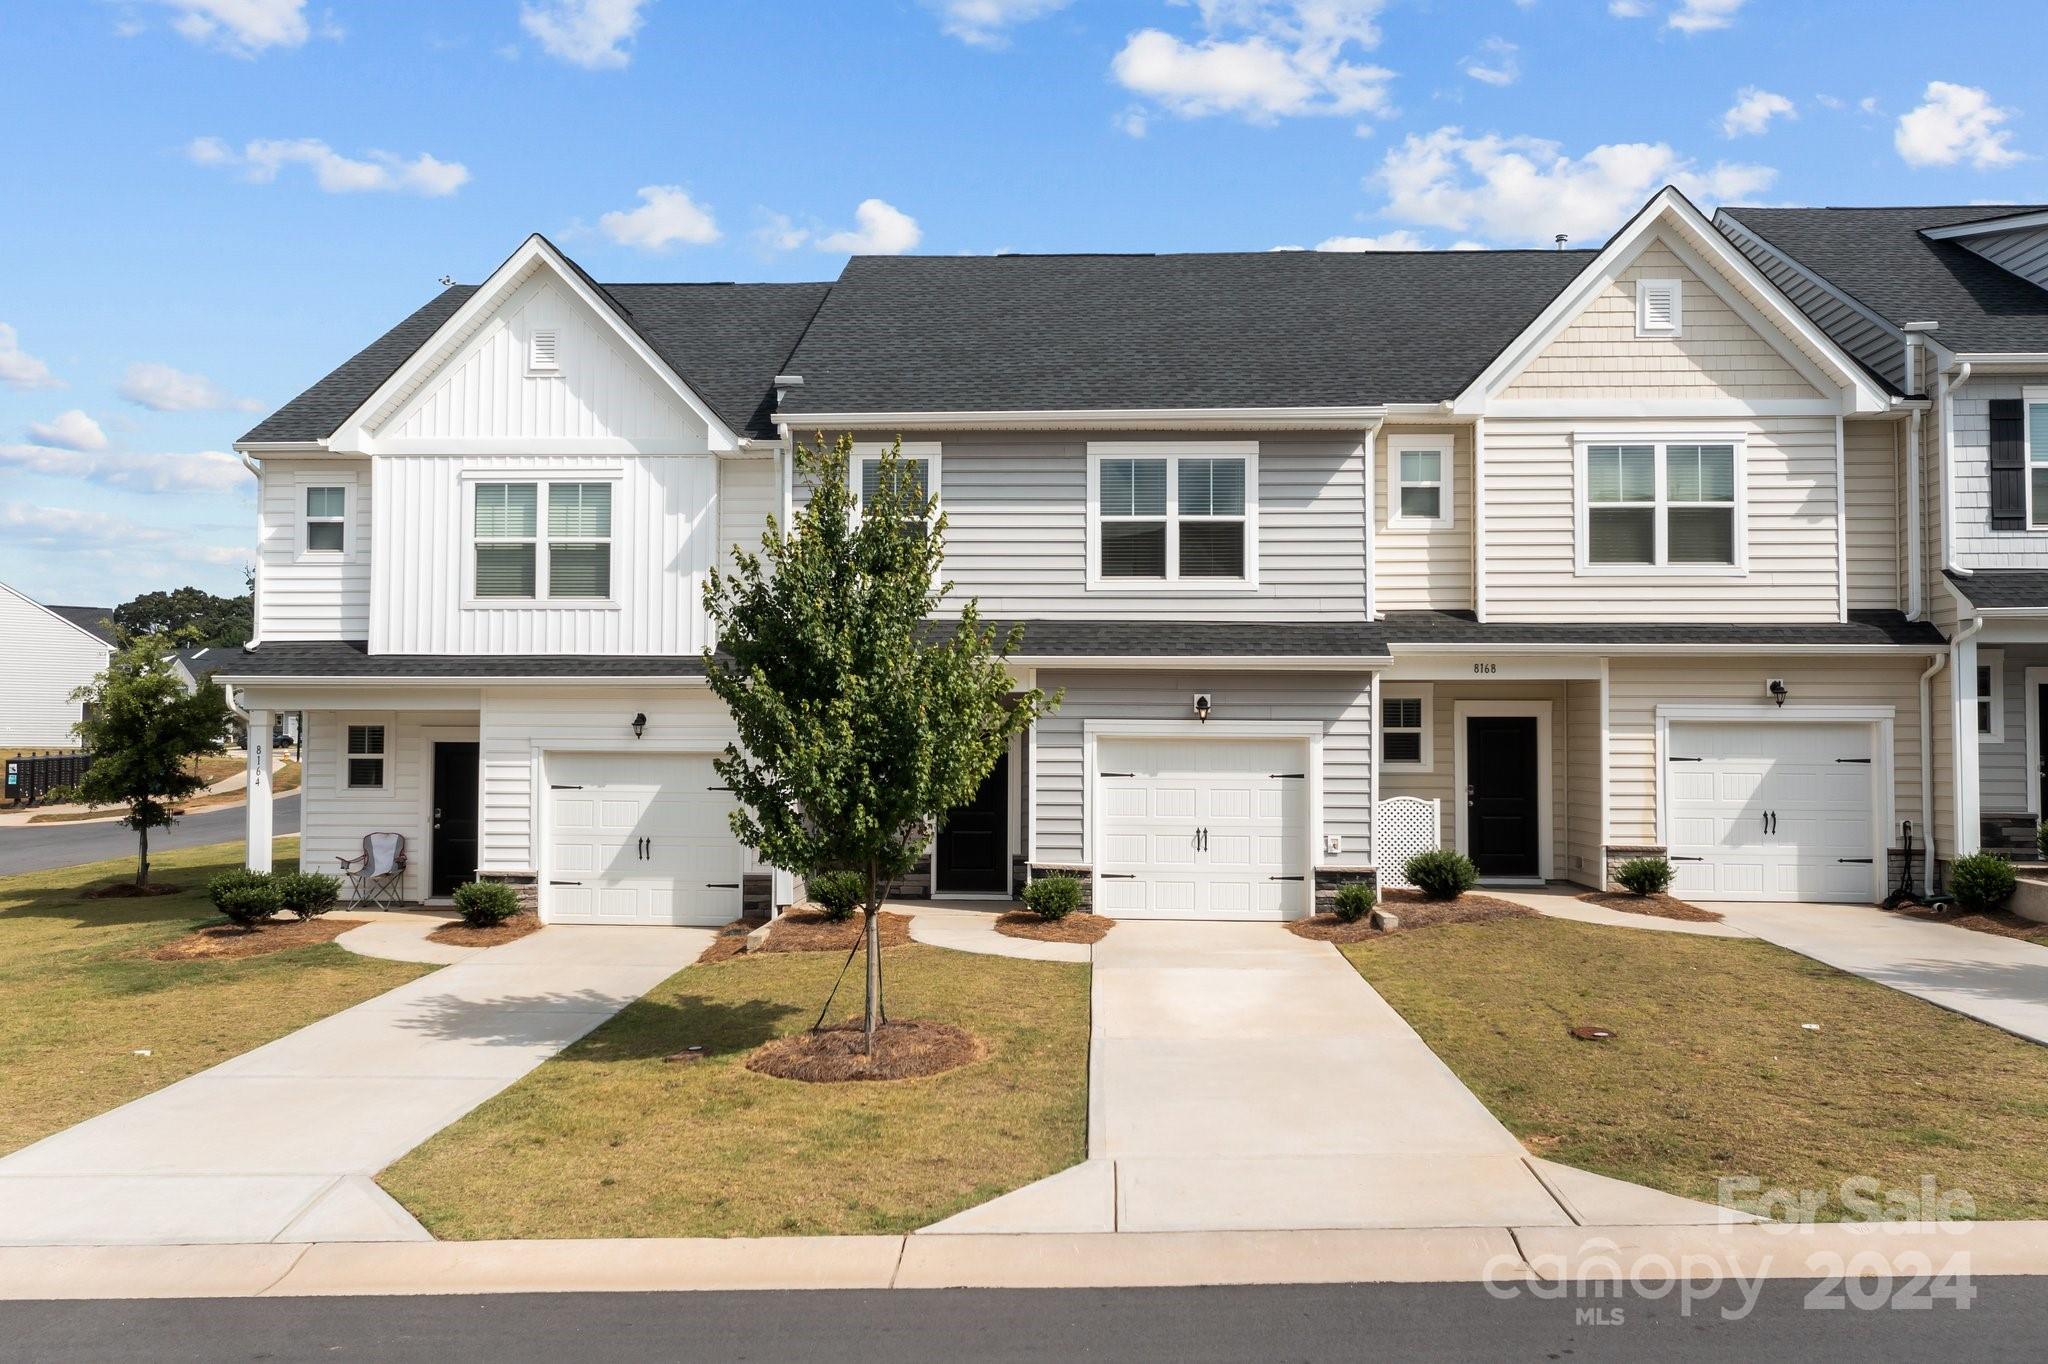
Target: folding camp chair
(377, 876)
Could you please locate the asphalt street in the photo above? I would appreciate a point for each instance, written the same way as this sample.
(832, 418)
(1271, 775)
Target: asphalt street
(2007, 1320)
(39, 847)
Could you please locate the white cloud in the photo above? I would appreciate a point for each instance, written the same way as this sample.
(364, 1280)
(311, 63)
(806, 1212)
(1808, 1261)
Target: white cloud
(880, 229)
(1132, 122)
(241, 27)
(1628, 9)
(72, 430)
(591, 34)
(201, 471)
(1401, 239)
(1753, 111)
(113, 540)
(986, 23)
(1525, 189)
(161, 388)
(1262, 60)
(1956, 123)
(19, 369)
(667, 215)
(778, 232)
(262, 160)
(1498, 62)
(1690, 16)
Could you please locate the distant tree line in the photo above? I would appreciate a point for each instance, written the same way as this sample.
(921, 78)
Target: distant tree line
(190, 614)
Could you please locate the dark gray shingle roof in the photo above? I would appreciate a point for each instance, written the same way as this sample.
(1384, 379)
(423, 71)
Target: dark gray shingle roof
(314, 414)
(1080, 639)
(1878, 257)
(2004, 588)
(1265, 329)
(1458, 627)
(94, 620)
(351, 658)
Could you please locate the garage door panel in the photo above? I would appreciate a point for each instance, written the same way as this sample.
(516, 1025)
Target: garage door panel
(1770, 810)
(688, 870)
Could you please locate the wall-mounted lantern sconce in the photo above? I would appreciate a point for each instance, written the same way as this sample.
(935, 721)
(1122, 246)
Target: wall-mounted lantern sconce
(639, 725)
(1203, 705)
(1778, 690)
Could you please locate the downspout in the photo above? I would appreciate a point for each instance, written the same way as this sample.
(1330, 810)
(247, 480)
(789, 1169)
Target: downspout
(1949, 386)
(1916, 605)
(1927, 768)
(1478, 518)
(1963, 726)
(1372, 551)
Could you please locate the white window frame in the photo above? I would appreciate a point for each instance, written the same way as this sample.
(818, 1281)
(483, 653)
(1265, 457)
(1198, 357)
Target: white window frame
(867, 451)
(303, 552)
(1443, 445)
(1583, 441)
(383, 757)
(552, 367)
(1407, 691)
(1993, 662)
(2028, 397)
(1173, 452)
(1644, 329)
(541, 478)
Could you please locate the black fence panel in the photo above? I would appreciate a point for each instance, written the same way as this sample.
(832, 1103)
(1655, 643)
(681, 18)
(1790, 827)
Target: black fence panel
(32, 778)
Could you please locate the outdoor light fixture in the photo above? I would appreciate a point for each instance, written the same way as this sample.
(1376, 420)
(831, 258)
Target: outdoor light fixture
(639, 725)
(1778, 690)
(1203, 706)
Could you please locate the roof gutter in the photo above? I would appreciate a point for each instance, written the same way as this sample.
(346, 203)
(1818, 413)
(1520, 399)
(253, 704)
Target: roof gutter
(1131, 418)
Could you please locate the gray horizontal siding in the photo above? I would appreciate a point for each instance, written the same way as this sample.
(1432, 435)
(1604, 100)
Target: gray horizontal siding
(1977, 545)
(1339, 702)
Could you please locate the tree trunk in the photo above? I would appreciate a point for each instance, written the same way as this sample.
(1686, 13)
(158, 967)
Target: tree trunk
(871, 1017)
(142, 857)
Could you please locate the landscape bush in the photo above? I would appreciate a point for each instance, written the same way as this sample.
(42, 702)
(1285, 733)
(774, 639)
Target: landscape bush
(228, 882)
(1053, 898)
(484, 904)
(307, 893)
(1441, 874)
(251, 904)
(839, 893)
(1354, 901)
(1982, 881)
(1645, 875)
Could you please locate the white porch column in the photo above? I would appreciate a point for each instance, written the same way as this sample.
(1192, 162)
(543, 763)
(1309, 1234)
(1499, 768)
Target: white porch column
(259, 791)
(1969, 834)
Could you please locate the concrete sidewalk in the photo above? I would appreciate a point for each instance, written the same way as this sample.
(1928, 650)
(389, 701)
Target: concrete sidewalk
(2000, 981)
(280, 1143)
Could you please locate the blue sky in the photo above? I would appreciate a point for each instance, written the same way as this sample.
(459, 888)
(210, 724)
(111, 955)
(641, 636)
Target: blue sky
(212, 202)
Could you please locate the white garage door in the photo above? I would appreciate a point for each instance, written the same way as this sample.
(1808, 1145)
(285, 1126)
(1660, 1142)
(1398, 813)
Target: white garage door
(636, 839)
(1202, 828)
(1770, 811)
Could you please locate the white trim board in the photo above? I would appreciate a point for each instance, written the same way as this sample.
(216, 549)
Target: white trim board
(1546, 780)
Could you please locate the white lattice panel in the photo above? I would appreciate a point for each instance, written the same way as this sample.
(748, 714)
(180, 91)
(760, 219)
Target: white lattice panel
(1403, 826)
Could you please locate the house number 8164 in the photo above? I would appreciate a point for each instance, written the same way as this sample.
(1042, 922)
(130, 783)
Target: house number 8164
(1486, 668)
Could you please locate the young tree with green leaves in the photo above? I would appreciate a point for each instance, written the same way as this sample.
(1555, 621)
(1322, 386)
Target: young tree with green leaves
(142, 728)
(862, 720)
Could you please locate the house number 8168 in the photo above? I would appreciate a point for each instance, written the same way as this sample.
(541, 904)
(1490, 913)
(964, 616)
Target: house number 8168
(1486, 668)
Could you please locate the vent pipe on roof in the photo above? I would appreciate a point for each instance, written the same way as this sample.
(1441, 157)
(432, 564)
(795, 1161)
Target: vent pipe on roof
(1561, 239)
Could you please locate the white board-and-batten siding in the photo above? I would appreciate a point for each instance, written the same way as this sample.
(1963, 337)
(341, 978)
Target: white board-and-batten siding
(48, 658)
(1339, 702)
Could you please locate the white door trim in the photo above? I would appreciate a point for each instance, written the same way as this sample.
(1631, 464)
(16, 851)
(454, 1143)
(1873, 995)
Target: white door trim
(2030, 702)
(1310, 733)
(1011, 796)
(1540, 712)
(1882, 792)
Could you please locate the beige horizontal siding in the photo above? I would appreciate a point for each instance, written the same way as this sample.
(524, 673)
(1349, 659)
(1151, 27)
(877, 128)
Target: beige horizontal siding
(1580, 858)
(1870, 464)
(1424, 570)
(1440, 782)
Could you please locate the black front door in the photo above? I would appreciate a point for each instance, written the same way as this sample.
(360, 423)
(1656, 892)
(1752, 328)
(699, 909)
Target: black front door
(454, 816)
(1502, 815)
(974, 846)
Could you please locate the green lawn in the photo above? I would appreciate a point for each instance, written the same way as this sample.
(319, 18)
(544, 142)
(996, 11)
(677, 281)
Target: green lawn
(607, 1140)
(1710, 1073)
(79, 996)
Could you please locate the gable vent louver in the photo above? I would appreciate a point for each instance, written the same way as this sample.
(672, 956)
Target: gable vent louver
(540, 353)
(1659, 305)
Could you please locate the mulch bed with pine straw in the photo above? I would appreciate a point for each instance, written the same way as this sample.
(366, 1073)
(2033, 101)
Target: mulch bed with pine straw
(228, 941)
(1413, 911)
(808, 930)
(1659, 906)
(1330, 928)
(907, 1050)
(2000, 923)
(730, 942)
(128, 890)
(460, 934)
(1081, 928)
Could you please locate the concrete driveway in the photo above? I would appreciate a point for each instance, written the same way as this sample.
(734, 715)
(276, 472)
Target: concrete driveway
(280, 1143)
(2000, 981)
(40, 847)
(1243, 1078)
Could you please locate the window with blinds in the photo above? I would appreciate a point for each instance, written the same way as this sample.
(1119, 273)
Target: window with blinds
(1403, 738)
(914, 472)
(516, 561)
(1171, 518)
(326, 520)
(507, 532)
(580, 540)
(365, 757)
(1661, 506)
(2037, 459)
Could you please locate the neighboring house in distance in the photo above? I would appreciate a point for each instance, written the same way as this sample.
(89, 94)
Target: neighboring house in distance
(1599, 551)
(52, 651)
(1950, 306)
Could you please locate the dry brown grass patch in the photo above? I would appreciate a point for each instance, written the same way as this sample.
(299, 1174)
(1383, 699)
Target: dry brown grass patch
(225, 941)
(808, 930)
(1081, 928)
(909, 1050)
(460, 934)
(1659, 906)
(128, 890)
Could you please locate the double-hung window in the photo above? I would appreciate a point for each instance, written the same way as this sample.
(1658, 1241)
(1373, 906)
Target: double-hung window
(917, 465)
(326, 521)
(2037, 458)
(515, 561)
(1166, 514)
(365, 770)
(1656, 504)
(1418, 482)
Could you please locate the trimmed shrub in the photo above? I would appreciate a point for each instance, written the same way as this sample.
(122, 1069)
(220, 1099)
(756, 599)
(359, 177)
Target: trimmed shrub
(1982, 881)
(228, 882)
(483, 904)
(839, 893)
(1355, 900)
(1053, 898)
(307, 893)
(249, 905)
(1645, 875)
(1441, 874)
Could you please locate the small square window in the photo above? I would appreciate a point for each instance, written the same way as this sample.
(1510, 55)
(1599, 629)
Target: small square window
(1404, 730)
(365, 757)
